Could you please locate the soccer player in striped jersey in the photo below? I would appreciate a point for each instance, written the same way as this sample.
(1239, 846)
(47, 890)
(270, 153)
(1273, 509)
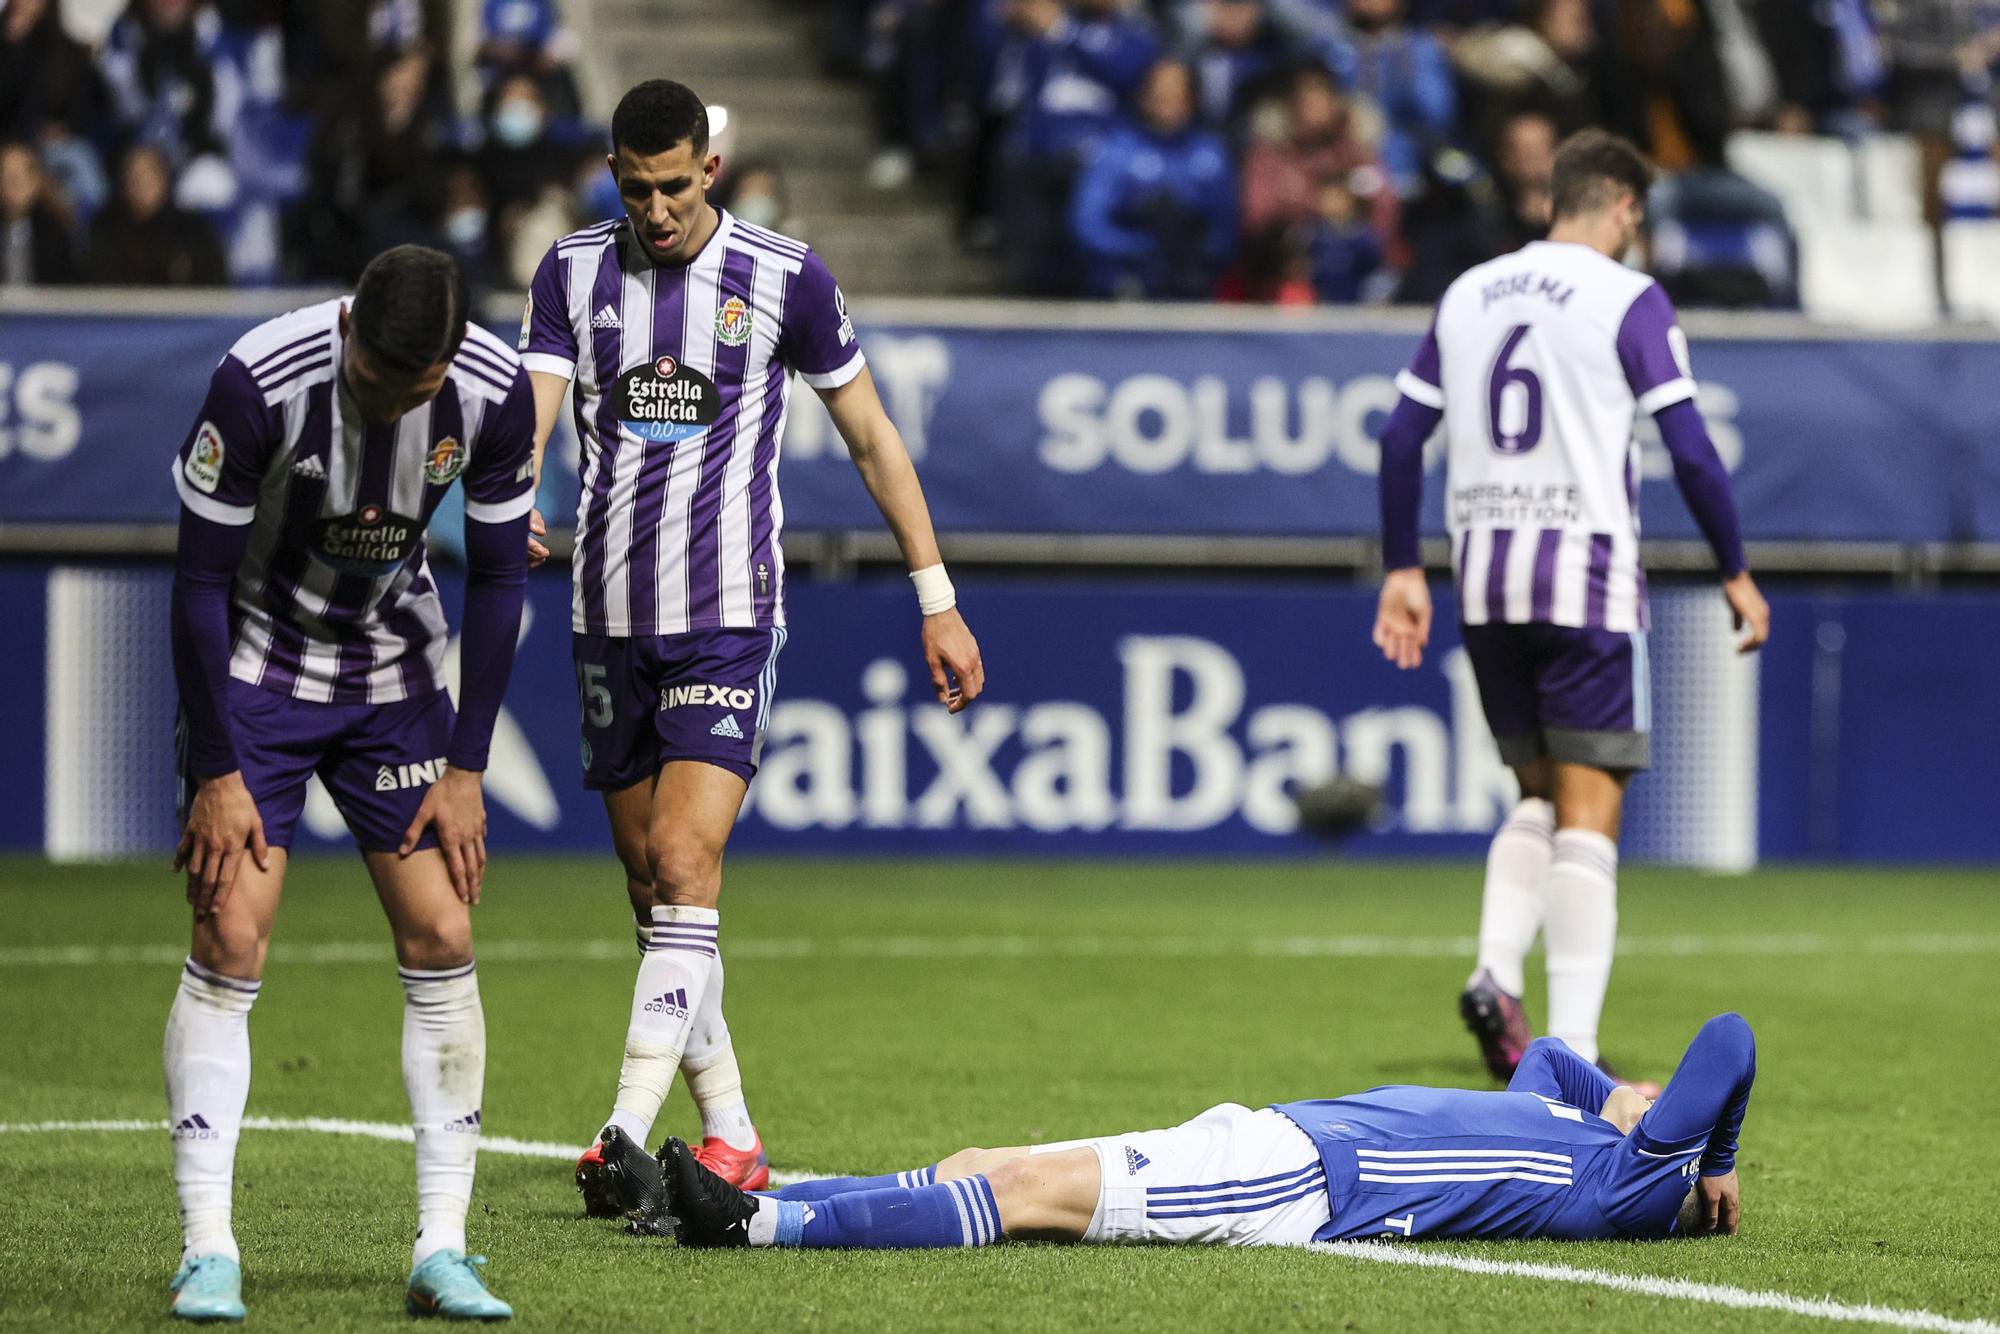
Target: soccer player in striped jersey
(1537, 363)
(682, 328)
(308, 638)
(1563, 1153)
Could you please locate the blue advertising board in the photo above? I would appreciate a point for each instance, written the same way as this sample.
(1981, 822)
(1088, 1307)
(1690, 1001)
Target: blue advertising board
(1129, 717)
(1263, 427)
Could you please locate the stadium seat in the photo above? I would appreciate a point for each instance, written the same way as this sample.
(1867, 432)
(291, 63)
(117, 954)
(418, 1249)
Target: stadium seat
(1881, 275)
(1972, 269)
(1813, 176)
(1891, 178)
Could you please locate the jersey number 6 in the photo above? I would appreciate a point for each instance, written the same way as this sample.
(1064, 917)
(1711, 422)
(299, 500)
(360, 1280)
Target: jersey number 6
(1513, 401)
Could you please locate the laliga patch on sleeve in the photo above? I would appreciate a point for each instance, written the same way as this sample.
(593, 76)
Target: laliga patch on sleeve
(840, 309)
(1678, 343)
(204, 460)
(527, 320)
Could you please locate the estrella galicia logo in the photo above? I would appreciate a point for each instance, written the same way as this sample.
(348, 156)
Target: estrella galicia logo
(370, 542)
(666, 400)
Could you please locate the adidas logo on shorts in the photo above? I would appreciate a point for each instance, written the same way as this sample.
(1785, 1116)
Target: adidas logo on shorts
(606, 319)
(728, 727)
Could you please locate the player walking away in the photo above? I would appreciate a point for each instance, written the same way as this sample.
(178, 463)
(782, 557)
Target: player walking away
(682, 327)
(1564, 1153)
(1537, 362)
(308, 639)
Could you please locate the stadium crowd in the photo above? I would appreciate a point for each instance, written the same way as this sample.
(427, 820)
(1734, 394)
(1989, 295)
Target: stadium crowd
(1339, 150)
(167, 142)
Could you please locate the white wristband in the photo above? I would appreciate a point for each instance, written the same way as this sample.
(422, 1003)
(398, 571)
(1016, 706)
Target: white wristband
(934, 590)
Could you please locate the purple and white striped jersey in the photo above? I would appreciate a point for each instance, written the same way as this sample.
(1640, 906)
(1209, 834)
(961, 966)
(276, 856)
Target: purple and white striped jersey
(682, 379)
(1540, 361)
(334, 600)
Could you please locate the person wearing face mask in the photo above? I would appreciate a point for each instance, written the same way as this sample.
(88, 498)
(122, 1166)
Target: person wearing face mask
(466, 229)
(519, 157)
(755, 193)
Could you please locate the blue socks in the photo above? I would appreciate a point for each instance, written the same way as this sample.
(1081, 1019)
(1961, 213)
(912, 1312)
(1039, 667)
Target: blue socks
(827, 1187)
(957, 1213)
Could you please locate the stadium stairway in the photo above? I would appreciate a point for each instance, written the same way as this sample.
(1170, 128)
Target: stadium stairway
(756, 58)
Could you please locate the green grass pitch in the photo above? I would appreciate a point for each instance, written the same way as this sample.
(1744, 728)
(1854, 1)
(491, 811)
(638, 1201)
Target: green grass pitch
(887, 1013)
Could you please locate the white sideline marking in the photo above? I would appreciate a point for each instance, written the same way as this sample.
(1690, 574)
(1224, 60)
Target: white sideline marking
(1674, 1289)
(1033, 947)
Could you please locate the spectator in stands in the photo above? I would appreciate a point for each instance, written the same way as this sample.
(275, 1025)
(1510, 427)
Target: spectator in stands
(1285, 181)
(142, 240)
(1406, 73)
(35, 247)
(520, 157)
(527, 37)
(1239, 54)
(1074, 70)
(1524, 162)
(468, 232)
(1664, 83)
(1154, 214)
(46, 77)
(755, 192)
(179, 78)
(1547, 63)
(374, 173)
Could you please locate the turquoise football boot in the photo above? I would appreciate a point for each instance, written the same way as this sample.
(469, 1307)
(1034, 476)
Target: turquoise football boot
(208, 1288)
(448, 1284)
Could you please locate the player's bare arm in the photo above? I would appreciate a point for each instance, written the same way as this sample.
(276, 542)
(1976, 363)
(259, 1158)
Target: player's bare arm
(223, 825)
(550, 391)
(1403, 617)
(957, 674)
(455, 807)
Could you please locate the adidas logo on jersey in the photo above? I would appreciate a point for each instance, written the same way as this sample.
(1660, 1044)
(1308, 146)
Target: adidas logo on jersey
(728, 727)
(465, 1125)
(674, 1002)
(194, 1127)
(1135, 1161)
(396, 777)
(310, 468)
(606, 319)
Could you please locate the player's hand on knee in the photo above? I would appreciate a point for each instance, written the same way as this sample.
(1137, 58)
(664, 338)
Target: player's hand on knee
(538, 528)
(456, 807)
(223, 823)
(1721, 1204)
(957, 673)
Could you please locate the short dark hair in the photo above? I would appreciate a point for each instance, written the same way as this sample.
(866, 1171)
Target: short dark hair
(656, 115)
(1592, 168)
(410, 307)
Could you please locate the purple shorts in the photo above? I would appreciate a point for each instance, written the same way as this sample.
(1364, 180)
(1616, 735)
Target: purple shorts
(1574, 695)
(654, 699)
(377, 761)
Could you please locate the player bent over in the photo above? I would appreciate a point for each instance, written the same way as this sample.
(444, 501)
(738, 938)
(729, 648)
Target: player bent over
(1538, 362)
(1563, 1153)
(682, 328)
(308, 639)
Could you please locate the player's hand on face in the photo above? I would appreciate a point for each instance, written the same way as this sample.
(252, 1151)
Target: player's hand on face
(1749, 612)
(957, 674)
(538, 528)
(222, 824)
(1403, 618)
(456, 806)
(1721, 1205)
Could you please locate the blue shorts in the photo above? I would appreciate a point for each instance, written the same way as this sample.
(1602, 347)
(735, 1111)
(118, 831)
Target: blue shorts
(377, 761)
(648, 701)
(1581, 696)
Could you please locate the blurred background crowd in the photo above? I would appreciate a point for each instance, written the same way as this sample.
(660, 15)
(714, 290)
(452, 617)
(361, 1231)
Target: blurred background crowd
(1288, 151)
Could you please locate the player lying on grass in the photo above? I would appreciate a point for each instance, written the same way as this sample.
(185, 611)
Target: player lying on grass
(1562, 1153)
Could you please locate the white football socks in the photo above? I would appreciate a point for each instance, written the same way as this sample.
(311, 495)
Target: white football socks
(1510, 912)
(207, 1060)
(1582, 933)
(673, 976)
(444, 1073)
(714, 1080)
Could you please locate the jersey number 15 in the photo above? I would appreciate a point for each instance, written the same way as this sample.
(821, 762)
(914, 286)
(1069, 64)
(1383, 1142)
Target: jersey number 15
(1513, 400)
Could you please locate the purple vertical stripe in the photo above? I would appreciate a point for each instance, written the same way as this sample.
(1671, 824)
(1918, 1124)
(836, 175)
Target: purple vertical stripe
(287, 563)
(1546, 547)
(1600, 575)
(649, 496)
(407, 625)
(732, 366)
(1496, 575)
(606, 345)
(764, 533)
